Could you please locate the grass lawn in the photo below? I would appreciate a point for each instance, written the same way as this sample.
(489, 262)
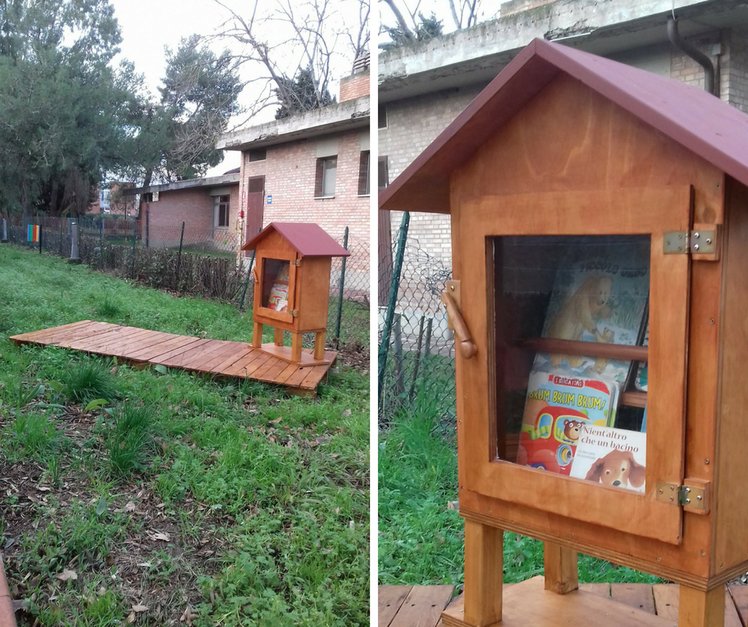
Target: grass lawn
(161, 497)
(420, 539)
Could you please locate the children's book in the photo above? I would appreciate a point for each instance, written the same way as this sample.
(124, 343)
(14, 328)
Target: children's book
(556, 410)
(641, 380)
(612, 457)
(599, 295)
(278, 299)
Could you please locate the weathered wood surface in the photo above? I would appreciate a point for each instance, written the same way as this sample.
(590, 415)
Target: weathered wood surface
(217, 357)
(417, 603)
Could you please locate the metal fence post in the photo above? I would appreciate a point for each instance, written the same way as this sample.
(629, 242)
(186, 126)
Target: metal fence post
(179, 256)
(384, 344)
(41, 229)
(134, 241)
(4, 239)
(249, 279)
(340, 290)
(74, 254)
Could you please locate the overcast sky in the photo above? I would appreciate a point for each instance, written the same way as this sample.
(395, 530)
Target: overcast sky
(148, 26)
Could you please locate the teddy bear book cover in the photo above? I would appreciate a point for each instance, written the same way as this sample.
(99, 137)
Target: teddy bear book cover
(612, 457)
(599, 294)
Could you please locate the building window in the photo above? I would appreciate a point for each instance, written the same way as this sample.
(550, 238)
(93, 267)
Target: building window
(363, 174)
(258, 154)
(382, 117)
(221, 211)
(383, 172)
(324, 184)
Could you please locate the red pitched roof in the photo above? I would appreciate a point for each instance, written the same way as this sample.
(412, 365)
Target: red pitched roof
(307, 238)
(690, 116)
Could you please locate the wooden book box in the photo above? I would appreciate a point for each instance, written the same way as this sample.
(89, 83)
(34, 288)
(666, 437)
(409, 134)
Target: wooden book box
(292, 287)
(568, 159)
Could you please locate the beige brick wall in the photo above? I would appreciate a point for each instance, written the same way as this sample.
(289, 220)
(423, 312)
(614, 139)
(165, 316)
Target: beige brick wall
(411, 126)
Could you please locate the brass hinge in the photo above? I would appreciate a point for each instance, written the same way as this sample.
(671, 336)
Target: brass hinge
(294, 313)
(692, 496)
(296, 262)
(696, 242)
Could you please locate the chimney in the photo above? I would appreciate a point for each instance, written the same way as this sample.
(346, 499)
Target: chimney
(357, 84)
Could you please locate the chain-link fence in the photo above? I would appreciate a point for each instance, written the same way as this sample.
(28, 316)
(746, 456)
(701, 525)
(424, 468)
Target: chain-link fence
(192, 260)
(416, 348)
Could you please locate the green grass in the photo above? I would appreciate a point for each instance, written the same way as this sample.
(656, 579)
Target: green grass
(167, 489)
(420, 539)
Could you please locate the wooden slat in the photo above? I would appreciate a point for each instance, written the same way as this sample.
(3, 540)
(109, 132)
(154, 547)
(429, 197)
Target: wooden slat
(238, 367)
(230, 350)
(666, 600)
(588, 349)
(601, 589)
(196, 359)
(250, 369)
(167, 357)
(151, 352)
(390, 600)
(72, 334)
(232, 359)
(298, 376)
(222, 357)
(637, 595)
(739, 595)
(39, 336)
(113, 337)
(527, 603)
(126, 346)
(423, 606)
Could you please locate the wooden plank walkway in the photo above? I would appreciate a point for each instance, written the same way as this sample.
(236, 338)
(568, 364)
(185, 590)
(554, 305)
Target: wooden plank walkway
(216, 357)
(421, 606)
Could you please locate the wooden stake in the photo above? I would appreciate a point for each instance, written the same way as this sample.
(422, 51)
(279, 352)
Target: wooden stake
(484, 558)
(560, 568)
(701, 609)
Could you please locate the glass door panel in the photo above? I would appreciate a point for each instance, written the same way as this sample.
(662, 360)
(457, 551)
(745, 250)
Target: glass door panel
(569, 323)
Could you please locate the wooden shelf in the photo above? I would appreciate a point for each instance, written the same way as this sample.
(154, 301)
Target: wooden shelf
(634, 399)
(590, 349)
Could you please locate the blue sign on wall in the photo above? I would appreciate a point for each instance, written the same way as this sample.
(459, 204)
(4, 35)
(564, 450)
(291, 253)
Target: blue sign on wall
(270, 199)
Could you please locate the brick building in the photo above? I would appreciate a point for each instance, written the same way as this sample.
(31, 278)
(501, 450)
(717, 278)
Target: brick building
(209, 207)
(424, 87)
(312, 167)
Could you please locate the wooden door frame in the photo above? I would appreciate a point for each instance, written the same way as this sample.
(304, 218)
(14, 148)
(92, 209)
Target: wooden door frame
(651, 211)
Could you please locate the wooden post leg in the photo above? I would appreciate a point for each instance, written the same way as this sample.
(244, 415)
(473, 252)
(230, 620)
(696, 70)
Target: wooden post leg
(319, 345)
(697, 608)
(296, 347)
(560, 568)
(278, 336)
(484, 561)
(257, 335)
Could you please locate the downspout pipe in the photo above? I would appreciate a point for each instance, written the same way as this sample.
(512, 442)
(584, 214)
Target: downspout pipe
(693, 52)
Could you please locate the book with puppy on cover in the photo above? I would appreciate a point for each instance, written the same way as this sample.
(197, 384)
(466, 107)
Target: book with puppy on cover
(611, 457)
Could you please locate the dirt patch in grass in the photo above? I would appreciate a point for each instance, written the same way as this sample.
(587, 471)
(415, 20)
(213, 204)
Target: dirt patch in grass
(156, 558)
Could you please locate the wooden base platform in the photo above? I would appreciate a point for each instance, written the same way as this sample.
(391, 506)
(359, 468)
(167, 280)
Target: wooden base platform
(217, 357)
(284, 353)
(528, 603)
